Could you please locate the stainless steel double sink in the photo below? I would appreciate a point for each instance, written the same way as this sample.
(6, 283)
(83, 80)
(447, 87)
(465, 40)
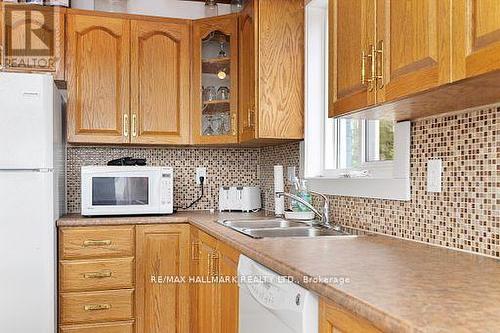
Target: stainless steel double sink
(278, 227)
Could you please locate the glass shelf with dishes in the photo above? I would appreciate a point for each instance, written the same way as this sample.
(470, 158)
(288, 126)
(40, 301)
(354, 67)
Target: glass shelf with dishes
(216, 79)
(215, 74)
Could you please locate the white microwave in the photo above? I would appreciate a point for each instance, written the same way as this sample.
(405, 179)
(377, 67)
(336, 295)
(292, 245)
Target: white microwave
(126, 190)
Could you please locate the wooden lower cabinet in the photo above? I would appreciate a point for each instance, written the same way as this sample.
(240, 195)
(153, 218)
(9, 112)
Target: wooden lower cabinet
(215, 305)
(334, 319)
(123, 279)
(116, 327)
(162, 253)
(229, 292)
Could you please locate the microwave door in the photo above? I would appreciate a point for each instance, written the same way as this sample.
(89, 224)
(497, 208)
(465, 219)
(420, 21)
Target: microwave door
(120, 191)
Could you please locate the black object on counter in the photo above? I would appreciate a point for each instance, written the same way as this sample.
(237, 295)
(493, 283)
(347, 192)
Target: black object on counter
(128, 161)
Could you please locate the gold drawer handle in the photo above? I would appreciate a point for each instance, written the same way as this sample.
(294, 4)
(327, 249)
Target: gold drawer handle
(89, 243)
(195, 250)
(97, 275)
(97, 307)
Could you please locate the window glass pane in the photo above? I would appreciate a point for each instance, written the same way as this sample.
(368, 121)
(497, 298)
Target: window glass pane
(380, 140)
(329, 153)
(349, 143)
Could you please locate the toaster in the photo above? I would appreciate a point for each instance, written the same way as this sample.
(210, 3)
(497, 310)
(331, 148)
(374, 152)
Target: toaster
(239, 198)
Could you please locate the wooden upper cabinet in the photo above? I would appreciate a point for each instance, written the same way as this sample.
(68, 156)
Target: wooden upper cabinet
(215, 80)
(32, 39)
(476, 37)
(414, 44)
(281, 69)
(272, 70)
(247, 70)
(334, 319)
(162, 250)
(160, 82)
(351, 39)
(98, 79)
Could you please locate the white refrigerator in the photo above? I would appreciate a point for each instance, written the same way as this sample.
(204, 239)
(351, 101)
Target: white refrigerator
(32, 187)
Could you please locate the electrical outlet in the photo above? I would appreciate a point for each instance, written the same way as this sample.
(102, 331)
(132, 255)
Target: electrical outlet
(434, 171)
(201, 172)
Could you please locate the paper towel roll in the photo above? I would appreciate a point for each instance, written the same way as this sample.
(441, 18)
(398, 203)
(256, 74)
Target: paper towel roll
(279, 186)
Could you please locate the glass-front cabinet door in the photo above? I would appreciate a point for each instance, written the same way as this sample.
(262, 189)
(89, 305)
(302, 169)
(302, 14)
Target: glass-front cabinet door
(215, 80)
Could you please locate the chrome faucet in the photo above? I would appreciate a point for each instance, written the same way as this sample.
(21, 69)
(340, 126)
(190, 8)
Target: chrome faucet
(324, 217)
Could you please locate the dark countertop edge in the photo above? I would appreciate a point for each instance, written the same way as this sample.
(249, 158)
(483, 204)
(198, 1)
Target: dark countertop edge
(380, 319)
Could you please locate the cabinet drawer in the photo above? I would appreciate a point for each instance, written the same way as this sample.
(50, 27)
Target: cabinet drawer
(97, 274)
(78, 243)
(123, 327)
(96, 306)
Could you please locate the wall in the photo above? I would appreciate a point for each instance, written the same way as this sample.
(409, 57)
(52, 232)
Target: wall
(466, 215)
(225, 166)
(165, 8)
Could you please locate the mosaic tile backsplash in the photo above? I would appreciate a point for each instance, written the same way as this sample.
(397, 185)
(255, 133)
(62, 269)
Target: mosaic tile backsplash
(465, 215)
(225, 167)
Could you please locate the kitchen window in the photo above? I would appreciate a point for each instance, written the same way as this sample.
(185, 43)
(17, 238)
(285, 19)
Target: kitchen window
(347, 156)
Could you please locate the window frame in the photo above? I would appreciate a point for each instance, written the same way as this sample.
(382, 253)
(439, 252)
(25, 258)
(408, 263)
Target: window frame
(387, 179)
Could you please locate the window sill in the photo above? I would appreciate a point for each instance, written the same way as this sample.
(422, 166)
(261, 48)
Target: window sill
(365, 187)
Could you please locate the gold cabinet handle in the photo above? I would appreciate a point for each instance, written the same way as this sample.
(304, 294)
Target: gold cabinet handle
(379, 59)
(134, 125)
(96, 307)
(215, 264)
(252, 116)
(90, 243)
(125, 125)
(97, 275)
(363, 67)
(234, 124)
(210, 264)
(248, 118)
(364, 58)
(195, 250)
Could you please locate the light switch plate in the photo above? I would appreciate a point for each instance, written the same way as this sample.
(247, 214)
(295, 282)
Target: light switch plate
(290, 174)
(434, 175)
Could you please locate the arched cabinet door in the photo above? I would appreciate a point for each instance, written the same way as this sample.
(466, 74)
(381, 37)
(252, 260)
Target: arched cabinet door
(98, 61)
(160, 81)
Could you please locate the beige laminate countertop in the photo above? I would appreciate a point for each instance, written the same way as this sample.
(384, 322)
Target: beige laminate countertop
(398, 285)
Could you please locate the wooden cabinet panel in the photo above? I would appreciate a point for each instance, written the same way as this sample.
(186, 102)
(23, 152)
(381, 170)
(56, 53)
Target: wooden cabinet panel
(96, 242)
(207, 64)
(247, 72)
(95, 306)
(476, 37)
(32, 38)
(160, 82)
(351, 37)
(97, 274)
(271, 70)
(415, 43)
(229, 292)
(208, 306)
(162, 251)
(98, 78)
(120, 327)
(333, 319)
(281, 69)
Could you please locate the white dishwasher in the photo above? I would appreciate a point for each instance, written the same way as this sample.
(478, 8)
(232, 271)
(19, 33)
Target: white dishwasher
(269, 303)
